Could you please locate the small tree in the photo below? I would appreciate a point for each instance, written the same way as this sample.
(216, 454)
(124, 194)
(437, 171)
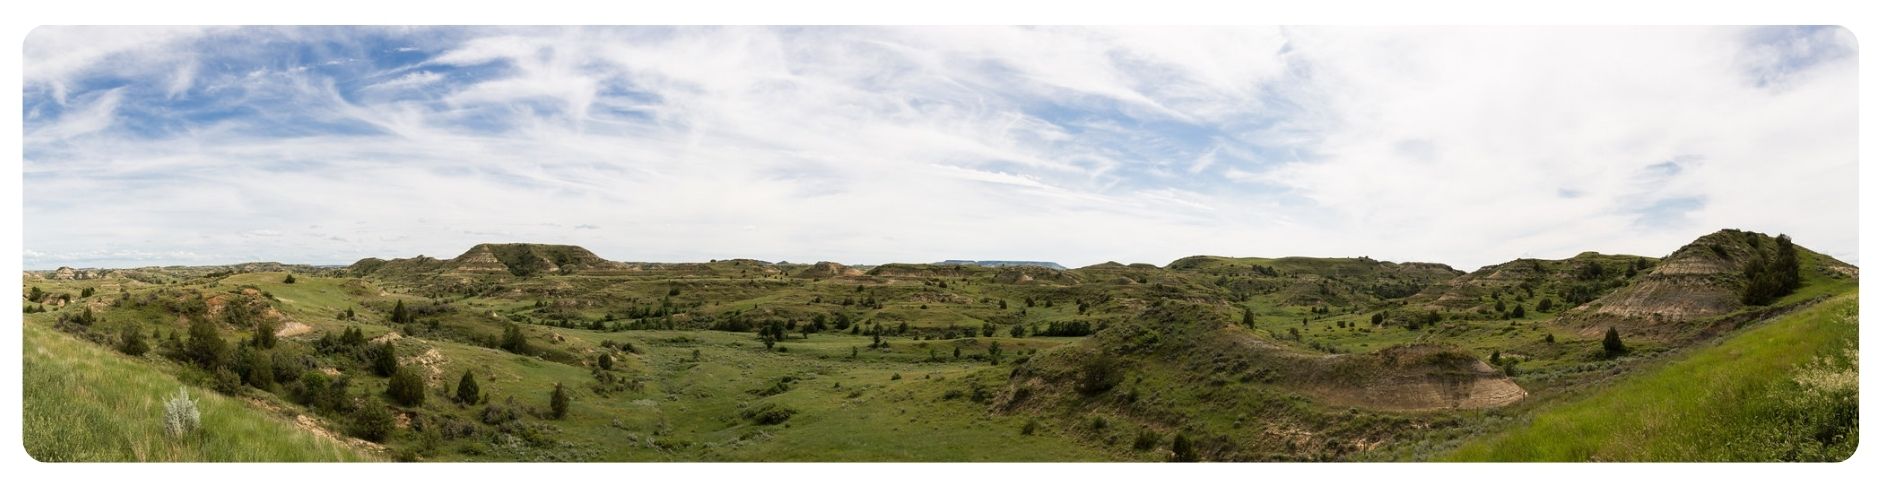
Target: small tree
(604, 361)
(400, 314)
(515, 341)
(993, 352)
(469, 390)
(1549, 338)
(1543, 305)
(1613, 343)
(1517, 311)
(561, 402)
(264, 337)
(1182, 451)
(289, 279)
(1248, 317)
(206, 347)
(385, 362)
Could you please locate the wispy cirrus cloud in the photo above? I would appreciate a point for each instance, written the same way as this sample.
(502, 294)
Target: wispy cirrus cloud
(1469, 146)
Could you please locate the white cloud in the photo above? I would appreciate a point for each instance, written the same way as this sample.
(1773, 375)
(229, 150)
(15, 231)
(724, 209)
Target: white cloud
(1467, 145)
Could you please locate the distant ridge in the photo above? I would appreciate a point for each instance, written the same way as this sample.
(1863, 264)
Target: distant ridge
(1004, 263)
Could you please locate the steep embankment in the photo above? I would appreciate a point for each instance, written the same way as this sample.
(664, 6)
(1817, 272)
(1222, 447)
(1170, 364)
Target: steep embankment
(1786, 389)
(1700, 282)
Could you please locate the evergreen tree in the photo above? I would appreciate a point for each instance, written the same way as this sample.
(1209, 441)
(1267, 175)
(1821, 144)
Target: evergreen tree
(265, 337)
(469, 391)
(289, 279)
(385, 362)
(400, 314)
(1248, 317)
(1182, 451)
(1517, 311)
(1613, 343)
(604, 361)
(515, 341)
(561, 402)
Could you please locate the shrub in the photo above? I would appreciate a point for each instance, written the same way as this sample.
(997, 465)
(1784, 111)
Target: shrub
(1146, 440)
(1030, 427)
(372, 422)
(1098, 374)
(132, 342)
(768, 414)
(180, 414)
(604, 361)
(499, 414)
(289, 279)
(407, 387)
(226, 381)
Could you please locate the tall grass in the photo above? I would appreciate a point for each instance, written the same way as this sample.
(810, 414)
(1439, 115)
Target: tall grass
(83, 402)
(1785, 390)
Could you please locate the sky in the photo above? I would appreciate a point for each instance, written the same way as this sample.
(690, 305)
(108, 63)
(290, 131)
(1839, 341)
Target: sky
(867, 145)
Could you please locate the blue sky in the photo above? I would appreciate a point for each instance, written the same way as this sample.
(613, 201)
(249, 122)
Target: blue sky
(1469, 146)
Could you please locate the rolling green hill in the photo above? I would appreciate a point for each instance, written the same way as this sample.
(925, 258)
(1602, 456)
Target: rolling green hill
(1208, 358)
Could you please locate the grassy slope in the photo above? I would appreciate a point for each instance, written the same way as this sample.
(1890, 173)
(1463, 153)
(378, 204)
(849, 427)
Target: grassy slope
(1734, 401)
(86, 403)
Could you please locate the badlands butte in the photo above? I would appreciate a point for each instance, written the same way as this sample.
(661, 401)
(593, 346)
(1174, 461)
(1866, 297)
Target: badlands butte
(1737, 346)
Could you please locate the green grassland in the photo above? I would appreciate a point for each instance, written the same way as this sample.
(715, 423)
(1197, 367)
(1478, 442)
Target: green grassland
(1783, 390)
(933, 363)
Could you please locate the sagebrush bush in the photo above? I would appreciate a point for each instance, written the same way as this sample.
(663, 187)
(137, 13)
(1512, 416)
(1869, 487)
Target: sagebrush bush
(180, 414)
